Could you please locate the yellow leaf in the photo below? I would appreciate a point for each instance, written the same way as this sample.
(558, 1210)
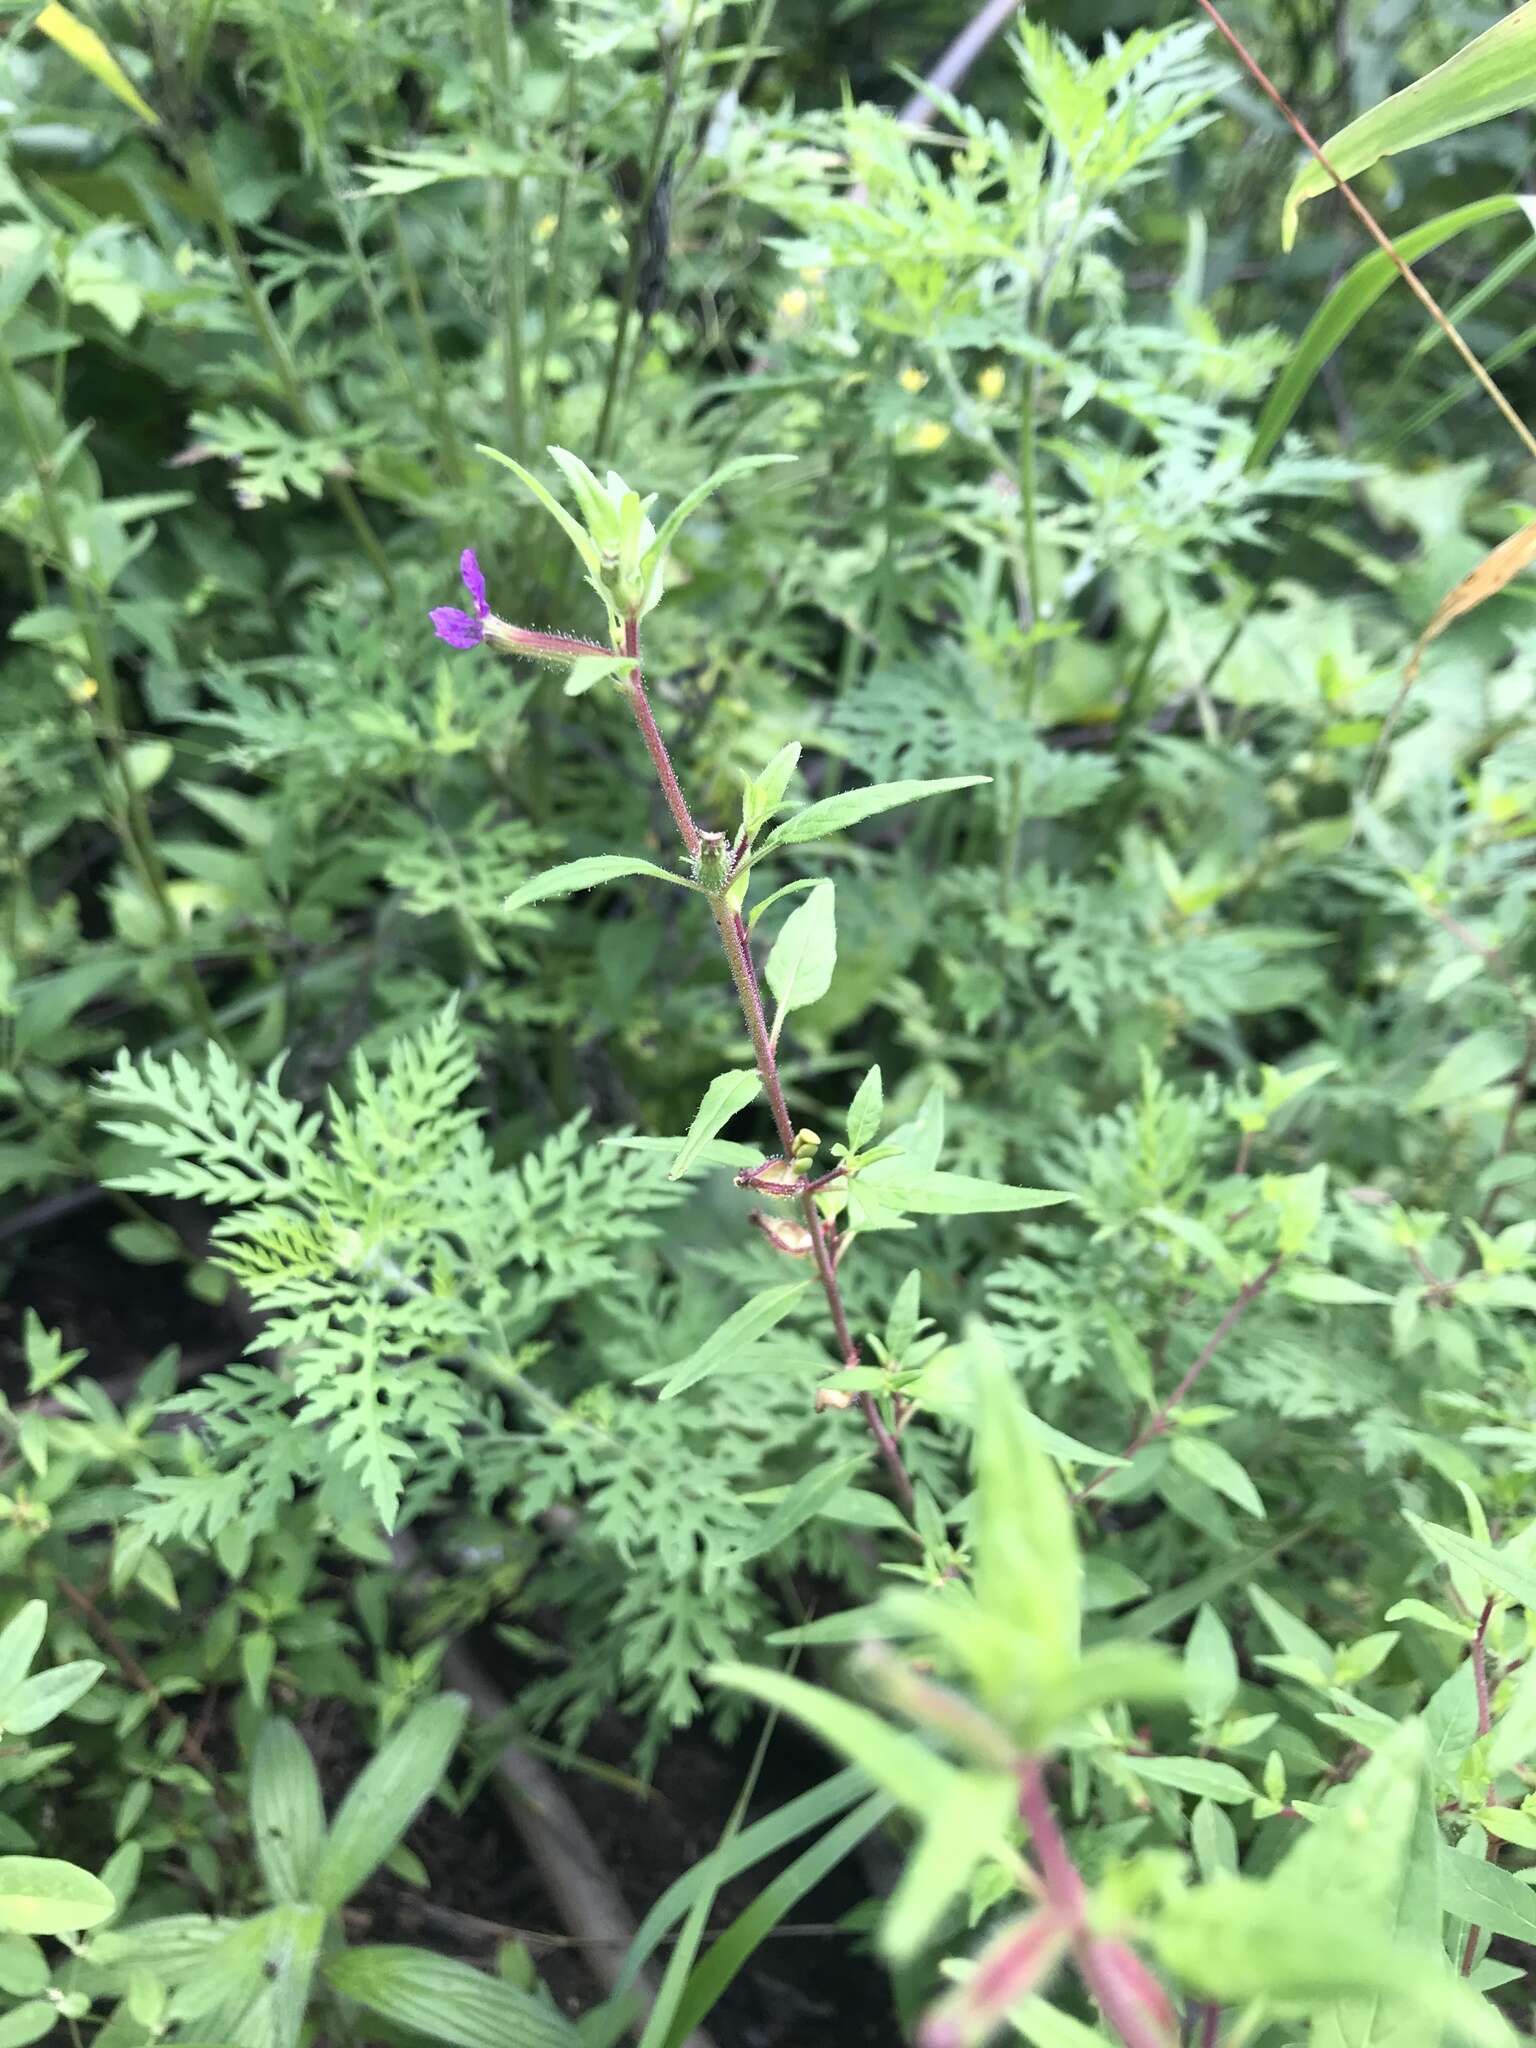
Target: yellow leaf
(87, 49)
(1486, 580)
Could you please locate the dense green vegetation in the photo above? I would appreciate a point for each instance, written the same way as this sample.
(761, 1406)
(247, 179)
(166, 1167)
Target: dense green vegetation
(862, 1050)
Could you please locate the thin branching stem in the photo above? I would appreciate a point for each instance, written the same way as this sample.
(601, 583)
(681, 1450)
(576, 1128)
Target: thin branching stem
(737, 947)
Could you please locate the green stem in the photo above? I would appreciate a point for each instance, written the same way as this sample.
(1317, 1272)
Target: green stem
(206, 183)
(125, 802)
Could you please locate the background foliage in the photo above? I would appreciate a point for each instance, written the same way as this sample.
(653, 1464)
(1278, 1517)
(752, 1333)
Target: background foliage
(1231, 950)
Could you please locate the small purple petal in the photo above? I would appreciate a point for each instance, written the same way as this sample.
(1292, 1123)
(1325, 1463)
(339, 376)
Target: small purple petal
(456, 627)
(474, 582)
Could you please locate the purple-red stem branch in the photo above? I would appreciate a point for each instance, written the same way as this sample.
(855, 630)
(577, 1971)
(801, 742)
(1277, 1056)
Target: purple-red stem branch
(738, 953)
(1104, 1965)
(1244, 1301)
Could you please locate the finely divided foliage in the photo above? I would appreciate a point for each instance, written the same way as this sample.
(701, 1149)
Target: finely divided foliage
(863, 1056)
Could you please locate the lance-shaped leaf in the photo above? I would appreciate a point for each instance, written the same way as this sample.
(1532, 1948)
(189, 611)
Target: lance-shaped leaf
(1349, 302)
(92, 54)
(753, 1320)
(386, 1798)
(852, 806)
(724, 1096)
(441, 1999)
(573, 530)
(589, 873)
(799, 969)
(739, 465)
(1492, 75)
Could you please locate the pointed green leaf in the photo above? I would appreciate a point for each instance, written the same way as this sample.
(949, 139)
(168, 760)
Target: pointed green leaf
(852, 806)
(1028, 1572)
(574, 532)
(93, 55)
(47, 1694)
(287, 1817)
(1494, 74)
(898, 1763)
(739, 465)
(970, 1825)
(386, 1798)
(1201, 1776)
(865, 1112)
(897, 1186)
(1496, 1568)
(750, 1322)
(808, 1497)
(439, 1998)
(19, 1641)
(1342, 311)
(765, 792)
(1210, 1666)
(724, 1096)
(800, 967)
(1209, 1462)
(590, 873)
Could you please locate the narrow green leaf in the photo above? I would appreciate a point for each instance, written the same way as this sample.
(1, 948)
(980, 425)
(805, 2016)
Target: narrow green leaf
(574, 532)
(1487, 1896)
(766, 1837)
(1330, 1289)
(1496, 1568)
(587, 874)
(809, 1495)
(1208, 1461)
(739, 465)
(1346, 306)
(752, 1320)
(442, 1999)
(718, 1969)
(899, 1764)
(1202, 1776)
(287, 1817)
(970, 1825)
(93, 55)
(1492, 75)
(1475, 1064)
(1210, 1666)
(765, 792)
(852, 806)
(724, 1096)
(865, 1112)
(1028, 1572)
(47, 1694)
(19, 1642)
(386, 1798)
(897, 1186)
(800, 967)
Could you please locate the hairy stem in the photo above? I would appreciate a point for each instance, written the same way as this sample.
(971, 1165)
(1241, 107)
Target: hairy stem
(737, 948)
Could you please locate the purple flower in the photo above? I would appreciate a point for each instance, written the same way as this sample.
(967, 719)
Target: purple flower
(454, 626)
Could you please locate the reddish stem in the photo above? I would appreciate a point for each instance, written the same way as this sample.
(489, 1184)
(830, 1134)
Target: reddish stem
(1244, 1301)
(1062, 1884)
(738, 953)
(655, 745)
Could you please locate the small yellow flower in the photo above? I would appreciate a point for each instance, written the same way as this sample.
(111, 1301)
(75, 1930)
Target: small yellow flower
(83, 691)
(544, 227)
(930, 435)
(991, 382)
(793, 303)
(813, 274)
(612, 216)
(913, 380)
